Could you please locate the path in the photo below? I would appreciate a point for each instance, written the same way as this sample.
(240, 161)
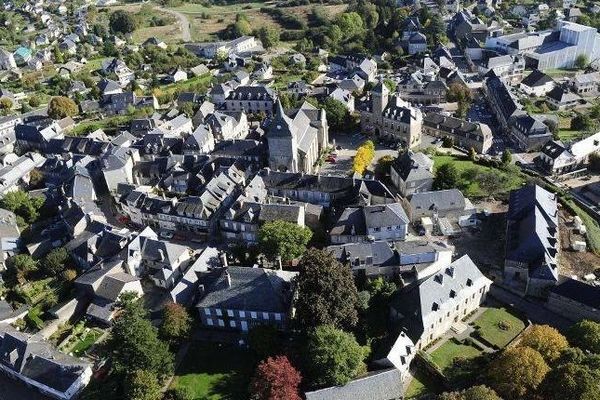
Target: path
(186, 34)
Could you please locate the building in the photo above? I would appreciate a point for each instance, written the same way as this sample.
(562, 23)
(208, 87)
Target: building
(507, 67)
(377, 385)
(37, 364)
(251, 99)
(557, 158)
(561, 98)
(575, 300)
(532, 241)
(295, 143)
(465, 134)
(10, 236)
(240, 298)
(390, 117)
(586, 84)
(377, 222)
(243, 44)
(412, 173)
(442, 205)
(428, 309)
(529, 132)
(537, 84)
(7, 60)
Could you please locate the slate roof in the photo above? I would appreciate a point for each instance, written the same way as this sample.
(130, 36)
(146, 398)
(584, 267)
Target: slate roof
(252, 289)
(378, 385)
(578, 291)
(441, 200)
(536, 78)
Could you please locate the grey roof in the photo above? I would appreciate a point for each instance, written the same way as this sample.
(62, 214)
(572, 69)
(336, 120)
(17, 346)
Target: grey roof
(378, 385)
(441, 200)
(252, 289)
(183, 293)
(413, 167)
(579, 292)
(536, 78)
(380, 252)
(385, 215)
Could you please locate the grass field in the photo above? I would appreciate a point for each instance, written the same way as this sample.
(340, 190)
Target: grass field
(445, 355)
(480, 181)
(421, 385)
(489, 326)
(86, 341)
(215, 372)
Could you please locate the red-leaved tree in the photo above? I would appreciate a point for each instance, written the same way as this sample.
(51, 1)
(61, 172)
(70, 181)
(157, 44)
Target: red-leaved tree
(275, 379)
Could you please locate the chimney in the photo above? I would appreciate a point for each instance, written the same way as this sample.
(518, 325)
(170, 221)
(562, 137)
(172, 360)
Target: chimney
(223, 258)
(227, 278)
(279, 263)
(161, 255)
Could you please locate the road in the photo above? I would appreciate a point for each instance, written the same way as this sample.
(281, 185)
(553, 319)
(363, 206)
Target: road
(184, 23)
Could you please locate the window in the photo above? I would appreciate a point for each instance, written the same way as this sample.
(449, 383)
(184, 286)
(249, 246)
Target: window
(242, 314)
(209, 322)
(219, 313)
(265, 315)
(207, 311)
(232, 324)
(278, 317)
(252, 315)
(230, 313)
(221, 323)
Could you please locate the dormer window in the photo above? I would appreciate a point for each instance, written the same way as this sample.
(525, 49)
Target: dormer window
(469, 282)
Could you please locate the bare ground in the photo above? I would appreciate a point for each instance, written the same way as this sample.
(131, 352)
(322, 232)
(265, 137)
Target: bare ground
(574, 262)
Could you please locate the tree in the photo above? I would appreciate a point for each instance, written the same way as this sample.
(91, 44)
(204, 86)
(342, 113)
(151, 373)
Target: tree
(264, 340)
(275, 379)
(20, 266)
(546, 340)
(350, 24)
(459, 93)
(517, 372)
(582, 122)
(22, 204)
(446, 177)
(179, 393)
(327, 294)
(337, 114)
(585, 335)
(474, 393)
(269, 37)
(61, 107)
(283, 239)
(581, 61)
(363, 157)
(122, 21)
(5, 103)
(134, 342)
(333, 356)
(506, 157)
(472, 154)
(571, 382)
(176, 322)
(36, 178)
(142, 385)
(35, 101)
(56, 261)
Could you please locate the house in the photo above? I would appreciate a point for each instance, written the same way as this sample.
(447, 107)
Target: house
(7, 60)
(575, 300)
(10, 237)
(103, 284)
(412, 173)
(586, 84)
(241, 45)
(228, 125)
(465, 134)
(449, 210)
(177, 75)
(118, 67)
(507, 67)
(345, 97)
(377, 385)
(263, 72)
(38, 364)
(109, 87)
(561, 98)
(377, 222)
(199, 70)
(537, 84)
(557, 158)
(427, 309)
(532, 241)
(296, 142)
(17, 172)
(68, 46)
(251, 99)
(417, 43)
(242, 77)
(188, 288)
(201, 141)
(390, 117)
(22, 55)
(528, 131)
(239, 298)
(154, 41)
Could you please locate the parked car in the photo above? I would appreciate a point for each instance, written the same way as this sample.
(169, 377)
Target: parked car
(166, 235)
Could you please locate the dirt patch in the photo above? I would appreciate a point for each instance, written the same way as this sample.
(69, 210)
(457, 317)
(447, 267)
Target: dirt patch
(574, 262)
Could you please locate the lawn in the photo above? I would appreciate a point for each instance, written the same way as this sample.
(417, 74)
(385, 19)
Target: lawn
(86, 341)
(445, 355)
(568, 135)
(481, 181)
(215, 372)
(421, 385)
(498, 327)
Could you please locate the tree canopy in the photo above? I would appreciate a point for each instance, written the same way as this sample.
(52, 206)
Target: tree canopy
(61, 107)
(364, 156)
(327, 294)
(585, 335)
(474, 393)
(571, 382)
(142, 385)
(56, 261)
(517, 372)
(122, 21)
(446, 177)
(548, 341)
(284, 239)
(334, 357)
(176, 323)
(275, 379)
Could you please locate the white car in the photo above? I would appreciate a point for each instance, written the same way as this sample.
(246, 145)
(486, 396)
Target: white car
(166, 235)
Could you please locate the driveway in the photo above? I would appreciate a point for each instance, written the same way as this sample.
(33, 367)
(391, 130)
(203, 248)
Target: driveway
(184, 23)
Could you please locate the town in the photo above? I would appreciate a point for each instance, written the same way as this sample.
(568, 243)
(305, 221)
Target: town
(287, 199)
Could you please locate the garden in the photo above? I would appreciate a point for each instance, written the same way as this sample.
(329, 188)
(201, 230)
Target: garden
(497, 327)
(80, 340)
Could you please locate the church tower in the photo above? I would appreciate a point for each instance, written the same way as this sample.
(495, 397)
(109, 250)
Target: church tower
(380, 96)
(283, 142)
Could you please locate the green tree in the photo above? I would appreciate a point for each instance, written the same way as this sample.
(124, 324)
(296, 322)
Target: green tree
(35, 101)
(176, 323)
(582, 61)
(23, 205)
(585, 335)
(61, 107)
(474, 393)
(446, 177)
(571, 382)
(350, 24)
(268, 36)
(134, 343)
(462, 95)
(327, 294)
(56, 261)
(20, 266)
(179, 393)
(582, 122)
(5, 103)
(122, 21)
(283, 239)
(517, 372)
(338, 116)
(142, 385)
(333, 356)
(506, 157)
(546, 340)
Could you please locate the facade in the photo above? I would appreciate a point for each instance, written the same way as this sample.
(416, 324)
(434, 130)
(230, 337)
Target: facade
(537, 84)
(586, 84)
(412, 173)
(532, 242)
(561, 98)
(575, 300)
(557, 158)
(295, 143)
(465, 134)
(449, 204)
(240, 298)
(251, 99)
(428, 309)
(378, 222)
(391, 117)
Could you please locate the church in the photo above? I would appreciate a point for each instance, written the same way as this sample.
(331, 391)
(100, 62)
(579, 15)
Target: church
(296, 142)
(390, 117)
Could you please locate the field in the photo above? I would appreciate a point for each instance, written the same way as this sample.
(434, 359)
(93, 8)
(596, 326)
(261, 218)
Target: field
(170, 32)
(498, 327)
(215, 372)
(445, 355)
(480, 181)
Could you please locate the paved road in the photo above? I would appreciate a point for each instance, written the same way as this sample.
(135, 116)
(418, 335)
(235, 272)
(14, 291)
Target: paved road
(184, 23)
